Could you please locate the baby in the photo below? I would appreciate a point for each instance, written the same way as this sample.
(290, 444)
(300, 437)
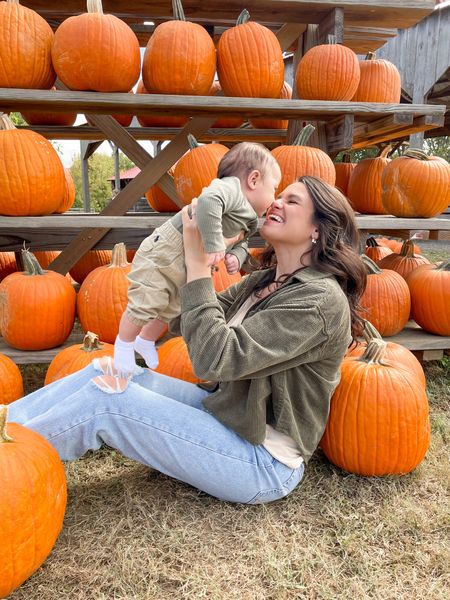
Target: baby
(247, 178)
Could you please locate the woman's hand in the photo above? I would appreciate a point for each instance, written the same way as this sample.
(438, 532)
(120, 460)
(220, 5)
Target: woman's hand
(195, 256)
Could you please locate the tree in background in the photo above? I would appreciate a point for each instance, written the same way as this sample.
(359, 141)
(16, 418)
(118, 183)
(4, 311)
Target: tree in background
(439, 146)
(101, 166)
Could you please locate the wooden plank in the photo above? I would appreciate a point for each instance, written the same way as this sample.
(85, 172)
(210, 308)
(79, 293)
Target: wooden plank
(362, 131)
(148, 176)
(289, 33)
(415, 338)
(339, 134)
(23, 357)
(423, 123)
(332, 24)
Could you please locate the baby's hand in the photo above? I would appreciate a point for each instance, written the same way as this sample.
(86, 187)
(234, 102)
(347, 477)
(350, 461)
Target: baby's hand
(214, 258)
(232, 264)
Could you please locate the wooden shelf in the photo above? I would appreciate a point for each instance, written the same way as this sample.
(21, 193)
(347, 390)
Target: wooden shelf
(22, 357)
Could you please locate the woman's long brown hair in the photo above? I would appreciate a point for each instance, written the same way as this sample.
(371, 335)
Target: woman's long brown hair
(337, 247)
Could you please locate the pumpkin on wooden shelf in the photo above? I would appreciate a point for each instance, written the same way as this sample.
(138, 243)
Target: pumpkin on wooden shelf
(158, 120)
(49, 118)
(159, 200)
(180, 57)
(103, 296)
(430, 297)
(328, 72)
(386, 299)
(344, 171)
(376, 251)
(33, 501)
(267, 123)
(221, 278)
(8, 264)
(32, 178)
(379, 82)
(250, 60)
(297, 159)
(174, 360)
(69, 193)
(122, 119)
(25, 48)
(37, 307)
(416, 185)
(76, 357)
(11, 383)
(96, 52)
(90, 261)
(224, 122)
(197, 168)
(395, 353)
(364, 187)
(378, 423)
(404, 261)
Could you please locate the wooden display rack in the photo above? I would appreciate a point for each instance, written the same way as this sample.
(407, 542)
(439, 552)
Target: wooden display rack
(340, 125)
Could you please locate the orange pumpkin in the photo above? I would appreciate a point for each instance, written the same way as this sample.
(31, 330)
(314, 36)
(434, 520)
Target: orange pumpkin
(69, 193)
(386, 298)
(344, 171)
(285, 94)
(76, 357)
(416, 185)
(405, 261)
(430, 297)
(250, 60)
(327, 72)
(378, 423)
(31, 173)
(224, 122)
(159, 200)
(11, 383)
(180, 57)
(37, 307)
(174, 360)
(221, 278)
(103, 296)
(297, 160)
(90, 261)
(196, 169)
(96, 52)
(375, 251)
(45, 257)
(393, 244)
(33, 502)
(379, 82)
(25, 48)
(364, 187)
(155, 120)
(7, 264)
(50, 118)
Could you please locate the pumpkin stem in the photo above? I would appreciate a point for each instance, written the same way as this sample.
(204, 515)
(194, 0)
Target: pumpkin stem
(31, 264)
(370, 56)
(192, 141)
(91, 342)
(374, 353)
(371, 267)
(416, 153)
(346, 157)
(331, 39)
(243, 17)
(119, 256)
(178, 12)
(6, 123)
(371, 242)
(370, 332)
(4, 437)
(304, 135)
(385, 151)
(407, 249)
(12, 1)
(95, 6)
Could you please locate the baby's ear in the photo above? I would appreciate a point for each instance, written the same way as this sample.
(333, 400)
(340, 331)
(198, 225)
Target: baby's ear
(110, 384)
(253, 177)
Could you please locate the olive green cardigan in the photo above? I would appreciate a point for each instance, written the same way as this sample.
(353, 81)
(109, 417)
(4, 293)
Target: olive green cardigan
(281, 365)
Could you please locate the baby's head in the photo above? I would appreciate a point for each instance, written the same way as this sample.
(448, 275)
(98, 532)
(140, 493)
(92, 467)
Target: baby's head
(256, 169)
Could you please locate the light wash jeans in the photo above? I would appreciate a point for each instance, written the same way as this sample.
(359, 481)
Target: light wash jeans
(160, 422)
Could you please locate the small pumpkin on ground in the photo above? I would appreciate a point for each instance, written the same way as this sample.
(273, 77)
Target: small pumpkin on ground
(364, 187)
(11, 383)
(174, 360)
(378, 423)
(33, 501)
(376, 251)
(379, 82)
(344, 171)
(404, 261)
(76, 357)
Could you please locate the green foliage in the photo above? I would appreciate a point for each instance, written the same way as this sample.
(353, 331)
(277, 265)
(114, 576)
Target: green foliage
(17, 118)
(358, 155)
(101, 166)
(439, 146)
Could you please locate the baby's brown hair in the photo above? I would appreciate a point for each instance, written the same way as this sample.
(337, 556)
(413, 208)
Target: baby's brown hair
(244, 158)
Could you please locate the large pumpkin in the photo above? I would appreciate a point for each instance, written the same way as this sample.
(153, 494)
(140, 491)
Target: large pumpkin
(224, 122)
(97, 52)
(386, 299)
(344, 170)
(327, 72)
(196, 169)
(250, 60)
(37, 307)
(378, 423)
(157, 120)
(285, 94)
(297, 160)
(364, 187)
(32, 502)
(416, 185)
(8, 264)
(405, 261)
(25, 48)
(221, 278)
(32, 178)
(11, 383)
(50, 117)
(77, 357)
(430, 297)
(103, 296)
(88, 262)
(69, 193)
(174, 360)
(379, 81)
(159, 200)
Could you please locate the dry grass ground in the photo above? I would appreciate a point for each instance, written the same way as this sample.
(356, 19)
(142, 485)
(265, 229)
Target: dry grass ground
(131, 534)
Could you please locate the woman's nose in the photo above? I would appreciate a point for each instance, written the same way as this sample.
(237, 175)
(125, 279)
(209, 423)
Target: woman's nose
(278, 202)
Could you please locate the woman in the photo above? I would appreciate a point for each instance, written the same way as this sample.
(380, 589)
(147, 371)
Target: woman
(274, 341)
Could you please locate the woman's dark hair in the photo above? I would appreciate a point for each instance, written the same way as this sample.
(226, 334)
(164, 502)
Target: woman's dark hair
(337, 247)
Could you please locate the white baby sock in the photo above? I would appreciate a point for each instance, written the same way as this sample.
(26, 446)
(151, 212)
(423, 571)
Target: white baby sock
(147, 349)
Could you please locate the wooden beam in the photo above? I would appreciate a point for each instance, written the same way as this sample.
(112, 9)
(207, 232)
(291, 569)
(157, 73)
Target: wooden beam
(419, 124)
(397, 121)
(90, 148)
(339, 134)
(332, 24)
(289, 33)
